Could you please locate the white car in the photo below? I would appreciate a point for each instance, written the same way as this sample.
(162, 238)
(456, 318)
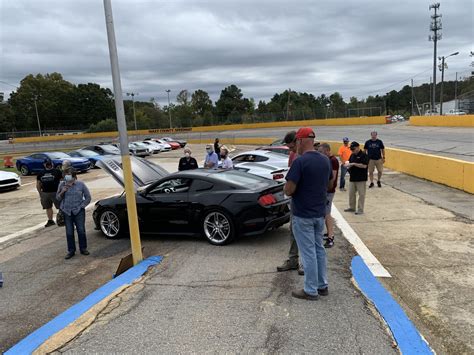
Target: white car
(279, 161)
(455, 113)
(153, 146)
(9, 180)
(139, 149)
(165, 146)
(263, 170)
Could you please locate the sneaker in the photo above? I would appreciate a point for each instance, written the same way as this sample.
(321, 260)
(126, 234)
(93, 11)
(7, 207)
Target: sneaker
(69, 256)
(359, 212)
(349, 210)
(379, 184)
(329, 242)
(371, 185)
(85, 252)
(342, 189)
(323, 291)
(49, 223)
(325, 236)
(304, 296)
(300, 270)
(288, 265)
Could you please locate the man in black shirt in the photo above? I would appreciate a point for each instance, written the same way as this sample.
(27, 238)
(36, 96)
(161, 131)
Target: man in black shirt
(357, 166)
(47, 183)
(217, 147)
(375, 150)
(187, 162)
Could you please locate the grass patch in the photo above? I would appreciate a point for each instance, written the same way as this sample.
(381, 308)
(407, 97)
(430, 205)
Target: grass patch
(12, 170)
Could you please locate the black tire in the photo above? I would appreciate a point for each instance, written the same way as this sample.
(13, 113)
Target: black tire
(109, 224)
(218, 227)
(24, 170)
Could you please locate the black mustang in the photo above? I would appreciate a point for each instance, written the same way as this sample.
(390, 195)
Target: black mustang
(219, 204)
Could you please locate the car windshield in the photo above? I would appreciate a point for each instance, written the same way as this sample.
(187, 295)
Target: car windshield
(242, 179)
(58, 155)
(110, 148)
(87, 153)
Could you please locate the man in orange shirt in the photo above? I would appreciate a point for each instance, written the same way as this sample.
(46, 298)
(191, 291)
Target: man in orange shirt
(344, 153)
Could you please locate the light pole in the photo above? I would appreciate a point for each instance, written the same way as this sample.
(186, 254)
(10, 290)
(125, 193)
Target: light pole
(442, 80)
(169, 108)
(435, 27)
(132, 94)
(35, 98)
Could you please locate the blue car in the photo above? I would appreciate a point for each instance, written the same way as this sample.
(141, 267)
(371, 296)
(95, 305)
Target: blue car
(33, 163)
(88, 154)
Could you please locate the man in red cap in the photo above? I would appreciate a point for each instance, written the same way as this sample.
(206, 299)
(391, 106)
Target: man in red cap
(307, 184)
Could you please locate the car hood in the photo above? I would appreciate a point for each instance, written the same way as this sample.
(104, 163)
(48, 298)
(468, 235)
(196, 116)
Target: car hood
(7, 175)
(75, 160)
(144, 172)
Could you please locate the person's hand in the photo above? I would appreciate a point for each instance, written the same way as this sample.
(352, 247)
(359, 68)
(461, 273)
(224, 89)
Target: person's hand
(383, 160)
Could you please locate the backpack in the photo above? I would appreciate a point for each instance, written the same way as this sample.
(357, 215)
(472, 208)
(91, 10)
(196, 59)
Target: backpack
(60, 218)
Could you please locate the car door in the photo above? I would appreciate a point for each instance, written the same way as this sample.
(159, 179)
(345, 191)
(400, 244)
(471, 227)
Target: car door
(37, 162)
(167, 210)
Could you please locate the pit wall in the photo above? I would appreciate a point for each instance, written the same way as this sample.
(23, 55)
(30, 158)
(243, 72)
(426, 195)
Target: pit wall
(443, 121)
(451, 172)
(320, 122)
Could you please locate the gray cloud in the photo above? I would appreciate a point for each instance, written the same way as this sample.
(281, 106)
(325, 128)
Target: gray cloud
(356, 48)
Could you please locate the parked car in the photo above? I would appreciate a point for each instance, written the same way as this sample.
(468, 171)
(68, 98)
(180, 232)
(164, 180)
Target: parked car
(218, 204)
(173, 145)
(139, 149)
(182, 143)
(261, 156)
(277, 142)
(165, 146)
(85, 153)
(9, 180)
(280, 149)
(154, 147)
(104, 149)
(263, 170)
(455, 113)
(34, 163)
(431, 113)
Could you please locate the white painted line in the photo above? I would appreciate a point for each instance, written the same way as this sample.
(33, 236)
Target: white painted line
(29, 183)
(370, 260)
(14, 235)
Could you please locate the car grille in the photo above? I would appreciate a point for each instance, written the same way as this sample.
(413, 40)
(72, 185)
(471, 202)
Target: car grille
(8, 181)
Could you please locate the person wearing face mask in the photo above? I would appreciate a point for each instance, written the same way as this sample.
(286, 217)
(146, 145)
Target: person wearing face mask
(187, 162)
(226, 161)
(212, 160)
(74, 196)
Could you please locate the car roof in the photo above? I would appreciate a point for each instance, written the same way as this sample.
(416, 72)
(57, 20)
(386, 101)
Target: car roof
(261, 152)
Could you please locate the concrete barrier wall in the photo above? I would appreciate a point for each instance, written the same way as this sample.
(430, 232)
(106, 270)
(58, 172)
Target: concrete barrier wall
(443, 121)
(322, 122)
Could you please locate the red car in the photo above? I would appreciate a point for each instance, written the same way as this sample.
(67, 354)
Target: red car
(174, 145)
(281, 149)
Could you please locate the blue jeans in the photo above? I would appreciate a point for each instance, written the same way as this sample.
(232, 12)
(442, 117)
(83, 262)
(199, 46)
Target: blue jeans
(342, 181)
(78, 220)
(309, 236)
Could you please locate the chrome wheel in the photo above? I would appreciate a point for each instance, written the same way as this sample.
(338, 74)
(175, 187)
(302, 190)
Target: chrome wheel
(109, 224)
(24, 170)
(217, 228)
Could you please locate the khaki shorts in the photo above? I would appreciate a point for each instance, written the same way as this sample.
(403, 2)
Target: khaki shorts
(48, 199)
(375, 163)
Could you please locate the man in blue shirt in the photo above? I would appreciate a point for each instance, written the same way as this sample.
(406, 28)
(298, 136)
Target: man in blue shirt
(307, 183)
(375, 150)
(212, 160)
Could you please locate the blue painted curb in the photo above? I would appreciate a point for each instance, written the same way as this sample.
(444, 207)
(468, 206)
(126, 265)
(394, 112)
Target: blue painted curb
(39, 336)
(408, 338)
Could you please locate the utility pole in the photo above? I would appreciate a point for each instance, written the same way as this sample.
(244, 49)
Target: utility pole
(35, 98)
(435, 27)
(456, 92)
(122, 128)
(132, 94)
(412, 99)
(442, 67)
(288, 106)
(169, 108)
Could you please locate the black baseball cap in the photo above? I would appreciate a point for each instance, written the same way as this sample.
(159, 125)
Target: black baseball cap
(354, 144)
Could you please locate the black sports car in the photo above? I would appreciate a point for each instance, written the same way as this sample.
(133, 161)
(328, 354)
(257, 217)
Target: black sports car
(218, 204)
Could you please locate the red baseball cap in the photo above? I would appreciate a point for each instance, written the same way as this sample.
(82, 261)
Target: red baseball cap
(305, 132)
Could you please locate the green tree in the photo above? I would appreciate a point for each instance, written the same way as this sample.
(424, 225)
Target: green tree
(183, 98)
(201, 102)
(231, 104)
(107, 125)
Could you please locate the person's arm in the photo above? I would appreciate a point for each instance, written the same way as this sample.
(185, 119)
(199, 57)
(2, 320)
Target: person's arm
(87, 196)
(61, 190)
(290, 188)
(365, 147)
(383, 155)
(38, 186)
(179, 164)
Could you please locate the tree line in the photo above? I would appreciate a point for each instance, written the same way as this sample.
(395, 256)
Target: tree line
(61, 105)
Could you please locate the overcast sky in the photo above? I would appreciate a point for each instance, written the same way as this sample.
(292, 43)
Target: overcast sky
(355, 47)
